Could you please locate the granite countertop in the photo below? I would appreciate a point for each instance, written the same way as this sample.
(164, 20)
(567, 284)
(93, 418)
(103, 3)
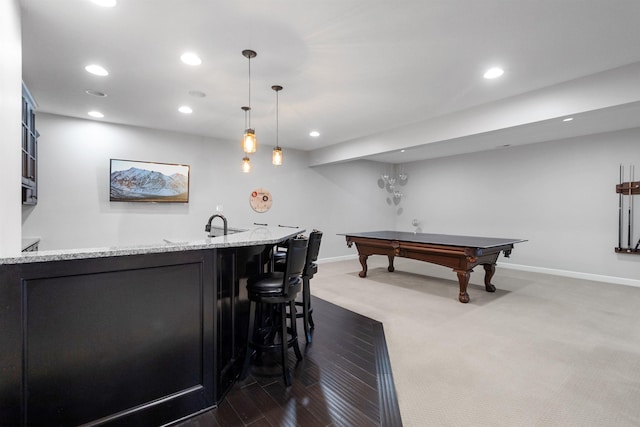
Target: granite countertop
(254, 235)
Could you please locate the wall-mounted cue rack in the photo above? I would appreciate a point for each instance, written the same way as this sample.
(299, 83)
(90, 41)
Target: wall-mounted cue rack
(626, 191)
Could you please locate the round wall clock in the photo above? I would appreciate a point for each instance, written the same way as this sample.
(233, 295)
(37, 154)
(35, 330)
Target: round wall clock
(260, 200)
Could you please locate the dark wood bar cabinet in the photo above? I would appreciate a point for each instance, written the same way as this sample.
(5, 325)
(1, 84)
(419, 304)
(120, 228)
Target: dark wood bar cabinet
(143, 339)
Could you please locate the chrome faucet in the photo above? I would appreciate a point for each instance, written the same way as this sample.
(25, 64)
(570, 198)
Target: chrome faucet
(207, 227)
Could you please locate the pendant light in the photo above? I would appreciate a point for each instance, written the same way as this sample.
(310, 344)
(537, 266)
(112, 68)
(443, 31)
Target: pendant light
(246, 164)
(276, 157)
(249, 141)
(249, 137)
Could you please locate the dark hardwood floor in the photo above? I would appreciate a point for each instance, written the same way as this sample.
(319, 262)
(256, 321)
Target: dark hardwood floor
(345, 379)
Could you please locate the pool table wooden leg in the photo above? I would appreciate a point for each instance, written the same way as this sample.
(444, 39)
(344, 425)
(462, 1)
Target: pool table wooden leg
(391, 268)
(463, 279)
(363, 263)
(489, 270)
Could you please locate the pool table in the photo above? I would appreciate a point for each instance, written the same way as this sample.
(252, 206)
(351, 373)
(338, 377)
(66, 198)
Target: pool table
(461, 253)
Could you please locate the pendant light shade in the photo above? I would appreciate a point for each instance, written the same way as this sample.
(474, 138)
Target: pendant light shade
(249, 141)
(246, 164)
(276, 157)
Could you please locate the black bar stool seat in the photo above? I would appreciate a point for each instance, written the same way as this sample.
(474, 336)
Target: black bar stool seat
(276, 290)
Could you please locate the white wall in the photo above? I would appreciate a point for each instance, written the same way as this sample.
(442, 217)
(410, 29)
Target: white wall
(74, 211)
(10, 126)
(559, 195)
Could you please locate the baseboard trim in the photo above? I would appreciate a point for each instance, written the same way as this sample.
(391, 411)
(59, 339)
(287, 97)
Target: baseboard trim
(553, 271)
(337, 258)
(573, 274)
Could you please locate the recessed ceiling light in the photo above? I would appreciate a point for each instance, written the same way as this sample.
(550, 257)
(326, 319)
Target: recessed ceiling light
(403, 150)
(197, 93)
(568, 119)
(314, 133)
(97, 70)
(105, 3)
(185, 110)
(493, 73)
(95, 93)
(191, 58)
(96, 114)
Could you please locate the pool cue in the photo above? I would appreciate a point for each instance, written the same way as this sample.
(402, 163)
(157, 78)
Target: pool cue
(630, 206)
(620, 209)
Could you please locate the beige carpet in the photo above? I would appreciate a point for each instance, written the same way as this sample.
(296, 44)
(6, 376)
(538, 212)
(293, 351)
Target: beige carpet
(541, 351)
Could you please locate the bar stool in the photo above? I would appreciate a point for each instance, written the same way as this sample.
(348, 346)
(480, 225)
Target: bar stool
(310, 269)
(276, 290)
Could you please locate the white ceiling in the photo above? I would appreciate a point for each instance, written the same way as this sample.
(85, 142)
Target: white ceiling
(351, 69)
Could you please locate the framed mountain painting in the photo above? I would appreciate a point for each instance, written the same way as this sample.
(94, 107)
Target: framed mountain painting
(136, 181)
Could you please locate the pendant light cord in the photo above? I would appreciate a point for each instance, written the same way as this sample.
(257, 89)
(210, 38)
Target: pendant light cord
(249, 92)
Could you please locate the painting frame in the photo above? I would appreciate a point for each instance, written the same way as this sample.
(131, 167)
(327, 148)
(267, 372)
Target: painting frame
(148, 182)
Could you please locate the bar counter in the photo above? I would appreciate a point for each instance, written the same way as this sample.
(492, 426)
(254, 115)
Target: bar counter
(137, 335)
(246, 236)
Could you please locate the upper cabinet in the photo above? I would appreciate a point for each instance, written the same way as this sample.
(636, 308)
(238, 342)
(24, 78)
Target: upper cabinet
(29, 149)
